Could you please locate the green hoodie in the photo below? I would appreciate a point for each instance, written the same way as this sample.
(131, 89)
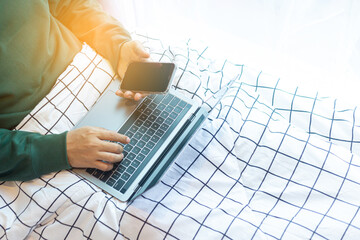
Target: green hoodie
(38, 40)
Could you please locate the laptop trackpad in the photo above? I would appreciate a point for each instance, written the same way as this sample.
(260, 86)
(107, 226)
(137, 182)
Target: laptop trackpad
(110, 112)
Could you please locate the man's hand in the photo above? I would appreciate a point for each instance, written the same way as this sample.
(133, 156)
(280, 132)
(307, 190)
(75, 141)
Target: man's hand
(86, 148)
(131, 51)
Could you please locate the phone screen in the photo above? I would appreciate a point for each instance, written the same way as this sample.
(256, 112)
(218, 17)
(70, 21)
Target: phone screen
(148, 77)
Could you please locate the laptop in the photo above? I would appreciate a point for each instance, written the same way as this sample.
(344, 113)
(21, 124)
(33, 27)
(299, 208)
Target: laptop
(159, 127)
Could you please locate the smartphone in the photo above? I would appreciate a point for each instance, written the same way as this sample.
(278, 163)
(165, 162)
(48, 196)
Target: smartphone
(148, 77)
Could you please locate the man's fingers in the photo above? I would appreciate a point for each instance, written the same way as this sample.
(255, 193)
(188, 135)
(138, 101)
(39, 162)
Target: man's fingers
(111, 147)
(103, 166)
(110, 157)
(138, 96)
(112, 136)
(140, 51)
(128, 94)
(119, 93)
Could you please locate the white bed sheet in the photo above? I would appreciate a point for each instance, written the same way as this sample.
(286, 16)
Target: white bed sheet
(270, 162)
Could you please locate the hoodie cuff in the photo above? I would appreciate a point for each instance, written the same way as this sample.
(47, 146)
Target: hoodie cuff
(49, 153)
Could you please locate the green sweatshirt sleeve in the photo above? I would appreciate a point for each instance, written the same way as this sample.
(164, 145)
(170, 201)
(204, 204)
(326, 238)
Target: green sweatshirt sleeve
(90, 24)
(25, 155)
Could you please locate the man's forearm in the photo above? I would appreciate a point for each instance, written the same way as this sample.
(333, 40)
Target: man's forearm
(25, 155)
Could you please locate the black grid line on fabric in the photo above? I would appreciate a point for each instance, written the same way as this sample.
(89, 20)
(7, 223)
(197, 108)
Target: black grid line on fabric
(292, 105)
(350, 223)
(312, 112)
(274, 91)
(56, 108)
(332, 120)
(334, 199)
(75, 96)
(257, 81)
(352, 130)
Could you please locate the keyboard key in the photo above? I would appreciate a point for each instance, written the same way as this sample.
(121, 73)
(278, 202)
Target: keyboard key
(150, 145)
(105, 176)
(138, 135)
(152, 118)
(131, 156)
(159, 132)
(158, 98)
(155, 126)
(125, 176)
(145, 151)
(143, 117)
(147, 123)
(120, 170)
(152, 106)
(140, 157)
(174, 115)
(182, 104)
(155, 138)
(136, 150)
(148, 111)
(135, 163)
(143, 129)
(90, 170)
(178, 109)
(156, 112)
(145, 138)
(164, 114)
(129, 134)
(138, 123)
(128, 148)
(164, 127)
(125, 162)
(119, 184)
(130, 170)
(134, 128)
(133, 141)
(160, 120)
(110, 182)
(167, 99)
(141, 144)
(169, 109)
(169, 121)
(97, 173)
(117, 174)
(147, 101)
(141, 108)
(174, 102)
(150, 131)
(152, 96)
(161, 106)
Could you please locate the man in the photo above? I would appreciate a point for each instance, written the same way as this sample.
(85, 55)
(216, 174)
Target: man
(38, 40)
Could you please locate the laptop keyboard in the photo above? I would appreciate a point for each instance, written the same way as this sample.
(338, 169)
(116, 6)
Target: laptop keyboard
(148, 127)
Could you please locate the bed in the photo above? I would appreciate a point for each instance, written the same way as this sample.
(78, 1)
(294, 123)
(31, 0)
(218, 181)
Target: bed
(272, 161)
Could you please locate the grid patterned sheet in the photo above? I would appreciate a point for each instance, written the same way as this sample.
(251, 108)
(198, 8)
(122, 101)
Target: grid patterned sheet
(271, 162)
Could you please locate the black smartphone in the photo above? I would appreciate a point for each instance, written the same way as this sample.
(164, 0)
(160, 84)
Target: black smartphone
(148, 77)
